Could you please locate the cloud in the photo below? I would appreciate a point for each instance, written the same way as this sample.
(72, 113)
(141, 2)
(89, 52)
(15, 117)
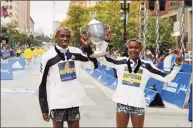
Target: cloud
(43, 14)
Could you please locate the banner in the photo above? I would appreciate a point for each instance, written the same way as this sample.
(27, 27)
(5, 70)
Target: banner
(6, 71)
(17, 64)
(22, 60)
(175, 92)
(161, 65)
(153, 82)
(105, 70)
(149, 95)
(186, 68)
(103, 78)
(190, 106)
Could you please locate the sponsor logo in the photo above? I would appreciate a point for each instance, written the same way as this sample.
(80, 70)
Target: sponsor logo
(4, 70)
(182, 88)
(171, 87)
(16, 65)
(174, 87)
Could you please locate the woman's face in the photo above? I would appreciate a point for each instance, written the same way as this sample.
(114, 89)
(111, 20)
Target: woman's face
(134, 49)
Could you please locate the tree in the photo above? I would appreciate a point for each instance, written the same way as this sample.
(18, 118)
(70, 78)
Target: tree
(104, 14)
(110, 13)
(12, 31)
(165, 30)
(43, 38)
(77, 17)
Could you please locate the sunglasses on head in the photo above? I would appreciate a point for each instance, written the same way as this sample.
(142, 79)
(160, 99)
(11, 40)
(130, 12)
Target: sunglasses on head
(134, 39)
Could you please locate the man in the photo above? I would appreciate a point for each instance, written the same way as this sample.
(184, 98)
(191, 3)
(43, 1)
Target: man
(133, 74)
(60, 91)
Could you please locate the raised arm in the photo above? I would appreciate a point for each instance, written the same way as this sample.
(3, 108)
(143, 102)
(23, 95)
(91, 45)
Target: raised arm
(157, 74)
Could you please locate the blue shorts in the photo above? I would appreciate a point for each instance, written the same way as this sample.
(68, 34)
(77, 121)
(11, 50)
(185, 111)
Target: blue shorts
(121, 108)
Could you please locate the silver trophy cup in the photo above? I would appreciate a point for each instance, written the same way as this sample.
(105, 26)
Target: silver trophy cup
(95, 31)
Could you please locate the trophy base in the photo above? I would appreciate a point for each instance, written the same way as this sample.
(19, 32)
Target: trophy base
(98, 54)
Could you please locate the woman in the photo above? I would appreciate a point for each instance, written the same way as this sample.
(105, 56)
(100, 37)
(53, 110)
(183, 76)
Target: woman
(133, 74)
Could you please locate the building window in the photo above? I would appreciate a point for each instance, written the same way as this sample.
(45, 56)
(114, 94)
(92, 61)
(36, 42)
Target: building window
(10, 7)
(9, 0)
(10, 14)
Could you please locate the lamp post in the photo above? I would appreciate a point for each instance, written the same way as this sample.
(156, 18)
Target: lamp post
(125, 8)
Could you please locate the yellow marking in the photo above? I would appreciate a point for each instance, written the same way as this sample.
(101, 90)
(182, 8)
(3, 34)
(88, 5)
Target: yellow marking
(6, 90)
(68, 70)
(77, 116)
(132, 77)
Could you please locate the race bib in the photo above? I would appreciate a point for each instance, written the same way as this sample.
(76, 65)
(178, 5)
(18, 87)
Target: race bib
(67, 70)
(132, 79)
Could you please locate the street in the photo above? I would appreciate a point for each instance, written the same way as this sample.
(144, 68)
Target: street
(98, 109)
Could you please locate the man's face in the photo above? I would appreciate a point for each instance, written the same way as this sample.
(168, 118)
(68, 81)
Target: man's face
(134, 49)
(63, 38)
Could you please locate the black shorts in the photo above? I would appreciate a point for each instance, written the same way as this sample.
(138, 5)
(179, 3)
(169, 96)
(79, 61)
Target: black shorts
(68, 114)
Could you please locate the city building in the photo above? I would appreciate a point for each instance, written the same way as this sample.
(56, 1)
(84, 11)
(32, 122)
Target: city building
(172, 8)
(19, 12)
(38, 32)
(31, 26)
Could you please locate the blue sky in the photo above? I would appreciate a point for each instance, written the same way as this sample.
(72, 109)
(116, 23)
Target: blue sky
(42, 14)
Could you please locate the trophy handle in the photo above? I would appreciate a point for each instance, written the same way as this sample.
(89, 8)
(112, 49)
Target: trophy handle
(107, 30)
(81, 28)
(107, 27)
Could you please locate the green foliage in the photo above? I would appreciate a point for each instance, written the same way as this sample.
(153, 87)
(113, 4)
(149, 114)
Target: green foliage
(110, 13)
(14, 34)
(43, 38)
(165, 30)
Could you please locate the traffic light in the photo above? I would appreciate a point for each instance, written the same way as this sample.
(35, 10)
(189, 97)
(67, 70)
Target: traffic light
(151, 5)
